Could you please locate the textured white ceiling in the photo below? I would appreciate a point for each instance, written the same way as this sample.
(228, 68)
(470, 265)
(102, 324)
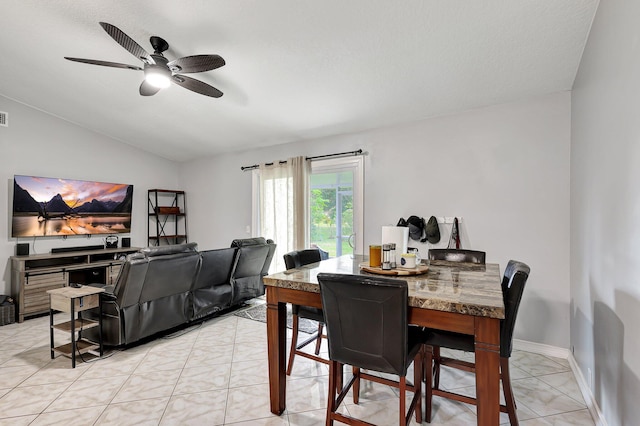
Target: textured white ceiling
(296, 69)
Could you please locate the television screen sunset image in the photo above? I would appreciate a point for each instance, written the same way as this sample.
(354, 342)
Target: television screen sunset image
(53, 206)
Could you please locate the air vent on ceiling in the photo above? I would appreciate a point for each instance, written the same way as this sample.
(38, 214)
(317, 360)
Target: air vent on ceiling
(4, 119)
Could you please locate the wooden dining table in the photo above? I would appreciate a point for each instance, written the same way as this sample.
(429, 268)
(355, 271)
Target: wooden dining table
(461, 297)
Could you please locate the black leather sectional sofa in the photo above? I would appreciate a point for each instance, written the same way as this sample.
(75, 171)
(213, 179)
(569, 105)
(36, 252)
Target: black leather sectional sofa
(160, 288)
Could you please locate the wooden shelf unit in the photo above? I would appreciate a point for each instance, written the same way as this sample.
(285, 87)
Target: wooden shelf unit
(167, 217)
(33, 275)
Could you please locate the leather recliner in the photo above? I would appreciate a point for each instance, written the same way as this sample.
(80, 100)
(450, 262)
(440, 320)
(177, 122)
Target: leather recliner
(160, 288)
(151, 294)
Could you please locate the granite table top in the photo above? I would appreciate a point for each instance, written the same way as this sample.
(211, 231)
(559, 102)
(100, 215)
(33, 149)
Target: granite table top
(463, 288)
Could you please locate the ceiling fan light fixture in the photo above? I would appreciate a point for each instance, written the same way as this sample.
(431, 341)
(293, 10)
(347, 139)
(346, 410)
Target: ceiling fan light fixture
(157, 75)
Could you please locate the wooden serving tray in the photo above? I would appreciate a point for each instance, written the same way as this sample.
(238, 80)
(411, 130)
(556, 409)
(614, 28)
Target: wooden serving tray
(418, 270)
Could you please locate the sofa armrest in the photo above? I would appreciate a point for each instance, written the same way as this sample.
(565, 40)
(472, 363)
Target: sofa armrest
(108, 293)
(97, 285)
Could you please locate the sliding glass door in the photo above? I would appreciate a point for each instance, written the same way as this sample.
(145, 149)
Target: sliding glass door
(336, 205)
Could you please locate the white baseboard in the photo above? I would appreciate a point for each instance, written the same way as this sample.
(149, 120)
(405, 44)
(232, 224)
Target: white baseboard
(542, 349)
(554, 351)
(592, 405)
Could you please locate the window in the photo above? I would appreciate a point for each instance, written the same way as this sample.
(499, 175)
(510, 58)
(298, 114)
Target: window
(335, 207)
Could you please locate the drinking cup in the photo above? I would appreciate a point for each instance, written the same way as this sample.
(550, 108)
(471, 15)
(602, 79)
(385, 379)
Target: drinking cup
(375, 256)
(408, 260)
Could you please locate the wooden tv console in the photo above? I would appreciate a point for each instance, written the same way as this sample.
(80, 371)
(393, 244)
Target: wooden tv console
(32, 276)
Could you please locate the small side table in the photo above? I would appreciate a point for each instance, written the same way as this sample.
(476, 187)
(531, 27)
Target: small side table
(75, 300)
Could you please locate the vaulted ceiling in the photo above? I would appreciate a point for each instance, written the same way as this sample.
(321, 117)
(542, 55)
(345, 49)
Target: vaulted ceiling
(295, 69)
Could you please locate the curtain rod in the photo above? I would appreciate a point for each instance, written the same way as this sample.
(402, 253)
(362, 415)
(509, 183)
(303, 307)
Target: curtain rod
(317, 157)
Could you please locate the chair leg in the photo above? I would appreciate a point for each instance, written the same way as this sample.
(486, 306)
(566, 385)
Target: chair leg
(403, 401)
(356, 385)
(319, 341)
(334, 367)
(428, 382)
(510, 401)
(436, 367)
(294, 342)
(418, 368)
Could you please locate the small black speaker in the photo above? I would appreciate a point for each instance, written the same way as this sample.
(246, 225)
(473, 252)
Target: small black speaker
(22, 249)
(126, 242)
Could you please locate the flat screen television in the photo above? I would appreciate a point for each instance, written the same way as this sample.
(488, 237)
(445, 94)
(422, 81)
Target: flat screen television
(63, 207)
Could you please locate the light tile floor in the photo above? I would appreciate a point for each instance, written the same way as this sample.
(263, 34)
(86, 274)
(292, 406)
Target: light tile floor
(215, 373)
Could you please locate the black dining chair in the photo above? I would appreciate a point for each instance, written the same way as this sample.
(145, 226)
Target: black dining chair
(458, 255)
(366, 319)
(296, 259)
(513, 282)
(451, 255)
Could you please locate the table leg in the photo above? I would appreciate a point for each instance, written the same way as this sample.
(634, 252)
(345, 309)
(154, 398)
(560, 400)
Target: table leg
(276, 339)
(100, 325)
(73, 336)
(487, 337)
(51, 330)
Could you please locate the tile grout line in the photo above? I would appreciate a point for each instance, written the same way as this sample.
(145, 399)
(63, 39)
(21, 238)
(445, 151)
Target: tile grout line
(198, 329)
(226, 405)
(31, 336)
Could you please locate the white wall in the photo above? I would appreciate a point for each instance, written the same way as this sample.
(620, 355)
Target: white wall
(42, 145)
(504, 169)
(605, 206)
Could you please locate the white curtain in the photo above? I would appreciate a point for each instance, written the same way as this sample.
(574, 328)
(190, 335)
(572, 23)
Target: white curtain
(284, 206)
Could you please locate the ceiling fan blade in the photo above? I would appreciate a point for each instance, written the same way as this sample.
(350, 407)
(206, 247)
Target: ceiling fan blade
(196, 63)
(148, 90)
(104, 63)
(196, 85)
(127, 42)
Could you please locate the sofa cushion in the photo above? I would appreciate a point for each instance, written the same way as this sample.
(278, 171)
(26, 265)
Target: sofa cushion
(258, 241)
(216, 267)
(247, 276)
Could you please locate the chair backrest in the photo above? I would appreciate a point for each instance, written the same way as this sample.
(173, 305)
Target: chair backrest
(298, 258)
(515, 277)
(170, 249)
(324, 255)
(216, 267)
(140, 272)
(458, 255)
(254, 257)
(258, 241)
(212, 289)
(366, 319)
(152, 289)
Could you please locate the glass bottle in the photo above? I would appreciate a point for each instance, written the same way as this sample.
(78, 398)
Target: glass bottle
(386, 257)
(392, 249)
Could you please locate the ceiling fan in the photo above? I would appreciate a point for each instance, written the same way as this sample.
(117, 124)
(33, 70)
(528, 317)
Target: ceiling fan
(159, 72)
